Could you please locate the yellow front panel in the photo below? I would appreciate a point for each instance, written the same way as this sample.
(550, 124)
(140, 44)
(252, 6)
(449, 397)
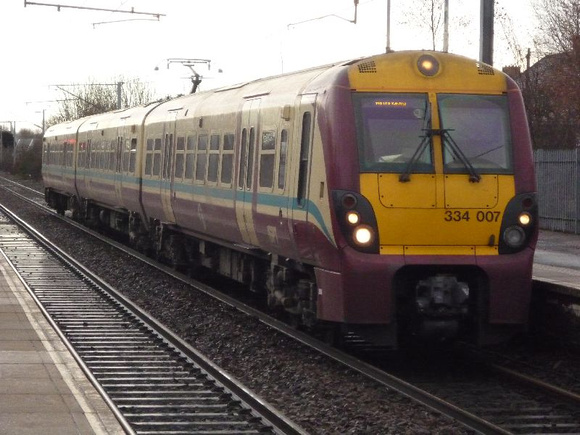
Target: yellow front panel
(421, 192)
(456, 230)
(461, 193)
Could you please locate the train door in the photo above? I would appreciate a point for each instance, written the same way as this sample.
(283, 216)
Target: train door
(245, 200)
(129, 161)
(90, 162)
(167, 181)
(301, 213)
(118, 164)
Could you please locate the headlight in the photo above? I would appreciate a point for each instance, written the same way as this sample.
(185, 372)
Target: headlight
(519, 225)
(357, 221)
(428, 65)
(514, 236)
(525, 219)
(352, 217)
(363, 235)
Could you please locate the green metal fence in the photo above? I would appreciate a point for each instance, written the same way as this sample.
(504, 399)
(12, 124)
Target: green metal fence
(558, 175)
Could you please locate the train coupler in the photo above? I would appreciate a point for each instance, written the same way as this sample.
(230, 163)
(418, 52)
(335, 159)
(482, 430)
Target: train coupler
(441, 302)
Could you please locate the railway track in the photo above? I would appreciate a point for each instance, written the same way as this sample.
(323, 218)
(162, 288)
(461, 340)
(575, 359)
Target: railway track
(526, 410)
(515, 403)
(153, 381)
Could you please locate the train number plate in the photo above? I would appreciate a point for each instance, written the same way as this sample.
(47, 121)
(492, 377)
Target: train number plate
(472, 215)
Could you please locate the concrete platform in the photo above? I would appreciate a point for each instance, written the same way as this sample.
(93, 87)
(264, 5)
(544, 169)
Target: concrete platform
(42, 389)
(557, 260)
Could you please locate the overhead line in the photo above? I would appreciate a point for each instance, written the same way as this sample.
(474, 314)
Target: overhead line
(59, 6)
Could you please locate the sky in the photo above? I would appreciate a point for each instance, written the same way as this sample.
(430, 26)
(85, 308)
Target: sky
(244, 39)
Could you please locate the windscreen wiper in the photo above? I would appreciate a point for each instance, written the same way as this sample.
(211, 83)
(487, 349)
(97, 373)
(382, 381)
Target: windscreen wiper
(474, 177)
(406, 175)
(446, 138)
(426, 141)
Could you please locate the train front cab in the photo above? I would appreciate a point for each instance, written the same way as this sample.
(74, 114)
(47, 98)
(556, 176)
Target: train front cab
(59, 149)
(446, 209)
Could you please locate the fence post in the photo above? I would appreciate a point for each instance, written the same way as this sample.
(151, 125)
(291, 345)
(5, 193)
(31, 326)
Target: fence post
(577, 189)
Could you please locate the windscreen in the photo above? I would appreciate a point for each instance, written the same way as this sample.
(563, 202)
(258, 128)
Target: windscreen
(479, 126)
(391, 129)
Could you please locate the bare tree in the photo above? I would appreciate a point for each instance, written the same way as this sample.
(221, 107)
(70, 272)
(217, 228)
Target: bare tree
(99, 97)
(506, 34)
(430, 15)
(551, 87)
(559, 25)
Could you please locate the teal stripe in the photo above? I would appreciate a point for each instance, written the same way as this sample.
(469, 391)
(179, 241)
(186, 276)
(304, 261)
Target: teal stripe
(264, 199)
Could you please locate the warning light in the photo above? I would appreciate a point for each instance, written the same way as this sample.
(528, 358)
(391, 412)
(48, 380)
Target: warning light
(428, 65)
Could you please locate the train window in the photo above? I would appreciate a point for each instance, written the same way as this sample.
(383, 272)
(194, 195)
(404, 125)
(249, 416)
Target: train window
(214, 149)
(168, 156)
(98, 155)
(201, 162)
(64, 147)
(190, 157)
(156, 164)
(214, 142)
(191, 143)
(227, 159)
(304, 158)
(243, 162)
(478, 133)
(126, 150)
(81, 155)
(45, 151)
(179, 157)
(250, 158)
(93, 155)
(103, 156)
(390, 129)
(68, 155)
(228, 142)
(282, 159)
(111, 153)
(267, 157)
(88, 155)
(149, 157)
(157, 157)
(105, 153)
(95, 161)
(133, 155)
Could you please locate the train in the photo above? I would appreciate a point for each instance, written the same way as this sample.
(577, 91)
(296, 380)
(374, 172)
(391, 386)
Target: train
(6, 150)
(391, 198)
